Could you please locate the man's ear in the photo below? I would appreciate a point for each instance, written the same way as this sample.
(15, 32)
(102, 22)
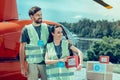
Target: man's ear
(31, 17)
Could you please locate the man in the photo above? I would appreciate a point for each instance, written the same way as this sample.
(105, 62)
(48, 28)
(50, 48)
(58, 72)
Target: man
(33, 45)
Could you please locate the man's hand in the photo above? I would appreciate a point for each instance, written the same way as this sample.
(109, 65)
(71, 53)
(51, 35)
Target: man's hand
(24, 71)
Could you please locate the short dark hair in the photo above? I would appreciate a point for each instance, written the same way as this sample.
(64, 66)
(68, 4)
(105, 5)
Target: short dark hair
(33, 10)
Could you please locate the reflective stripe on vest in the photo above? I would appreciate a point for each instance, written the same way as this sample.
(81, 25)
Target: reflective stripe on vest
(60, 74)
(35, 53)
(34, 56)
(54, 72)
(32, 48)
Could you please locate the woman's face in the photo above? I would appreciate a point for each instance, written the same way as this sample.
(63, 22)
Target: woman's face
(58, 33)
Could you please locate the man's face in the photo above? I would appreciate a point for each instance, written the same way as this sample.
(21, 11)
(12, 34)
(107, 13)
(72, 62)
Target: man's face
(37, 17)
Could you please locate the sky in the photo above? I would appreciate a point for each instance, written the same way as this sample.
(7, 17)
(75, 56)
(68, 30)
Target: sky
(70, 10)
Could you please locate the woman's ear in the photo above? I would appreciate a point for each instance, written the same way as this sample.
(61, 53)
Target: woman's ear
(52, 34)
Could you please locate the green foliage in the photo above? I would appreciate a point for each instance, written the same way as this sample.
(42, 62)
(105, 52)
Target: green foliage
(94, 29)
(108, 47)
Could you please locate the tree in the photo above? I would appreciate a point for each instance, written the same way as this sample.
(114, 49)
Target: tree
(107, 47)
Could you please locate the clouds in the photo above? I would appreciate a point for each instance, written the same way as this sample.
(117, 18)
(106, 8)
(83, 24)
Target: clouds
(71, 10)
(77, 17)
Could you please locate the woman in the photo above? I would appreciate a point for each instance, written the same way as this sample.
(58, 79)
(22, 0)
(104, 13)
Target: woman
(57, 54)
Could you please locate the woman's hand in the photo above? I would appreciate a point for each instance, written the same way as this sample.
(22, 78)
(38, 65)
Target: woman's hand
(79, 67)
(63, 59)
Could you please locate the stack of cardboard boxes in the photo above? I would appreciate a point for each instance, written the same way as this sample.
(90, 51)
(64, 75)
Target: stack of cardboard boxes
(99, 71)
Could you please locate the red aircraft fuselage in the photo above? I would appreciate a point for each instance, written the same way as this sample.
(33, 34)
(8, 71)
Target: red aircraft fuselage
(10, 31)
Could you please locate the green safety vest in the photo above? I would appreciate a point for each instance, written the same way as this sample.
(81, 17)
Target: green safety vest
(54, 72)
(35, 53)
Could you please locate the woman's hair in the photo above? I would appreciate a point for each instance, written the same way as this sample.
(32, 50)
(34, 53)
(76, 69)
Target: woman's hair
(56, 26)
(52, 30)
(64, 32)
(33, 10)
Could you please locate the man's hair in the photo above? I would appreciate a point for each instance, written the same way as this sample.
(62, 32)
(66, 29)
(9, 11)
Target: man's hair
(33, 10)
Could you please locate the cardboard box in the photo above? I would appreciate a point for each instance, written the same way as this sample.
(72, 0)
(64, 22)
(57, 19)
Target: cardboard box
(107, 67)
(101, 68)
(99, 71)
(99, 76)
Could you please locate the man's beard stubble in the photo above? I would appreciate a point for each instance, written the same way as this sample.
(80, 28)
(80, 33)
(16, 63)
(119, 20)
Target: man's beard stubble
(38, 21)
